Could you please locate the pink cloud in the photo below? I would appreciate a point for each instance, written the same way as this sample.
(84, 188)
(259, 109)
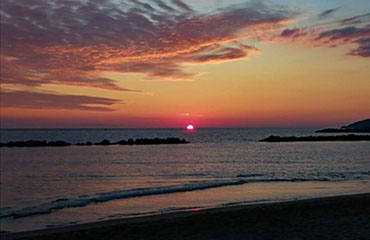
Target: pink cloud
(136, 37)
(74, 42)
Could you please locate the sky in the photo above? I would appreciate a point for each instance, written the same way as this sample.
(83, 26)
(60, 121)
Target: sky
(166, 64)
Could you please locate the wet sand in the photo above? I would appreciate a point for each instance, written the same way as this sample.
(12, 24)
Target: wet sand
(340, 217)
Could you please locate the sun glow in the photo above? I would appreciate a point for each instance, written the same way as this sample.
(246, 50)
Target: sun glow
(190, 127)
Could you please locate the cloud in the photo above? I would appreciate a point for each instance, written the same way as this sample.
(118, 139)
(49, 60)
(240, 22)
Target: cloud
(364, 18)
(358, 36)
(36, 100)
(363, 49)
(293, 33)
(13, 73)
(73, 42)
(182, 5)
(219, 53)
(327, 13)
(353, 32)
(344, 34)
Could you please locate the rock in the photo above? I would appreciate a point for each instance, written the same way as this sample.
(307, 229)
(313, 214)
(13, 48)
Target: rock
(350, 137)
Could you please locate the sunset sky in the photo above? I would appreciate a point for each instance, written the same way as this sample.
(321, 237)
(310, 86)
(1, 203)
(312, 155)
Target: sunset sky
(211, 63)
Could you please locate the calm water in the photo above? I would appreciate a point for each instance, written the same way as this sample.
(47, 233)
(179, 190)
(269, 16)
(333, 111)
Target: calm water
(54, 186)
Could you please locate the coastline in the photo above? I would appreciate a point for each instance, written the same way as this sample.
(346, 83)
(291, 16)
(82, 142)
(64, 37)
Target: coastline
(345, 216)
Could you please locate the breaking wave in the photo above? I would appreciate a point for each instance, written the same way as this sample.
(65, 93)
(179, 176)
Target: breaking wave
(88, 199)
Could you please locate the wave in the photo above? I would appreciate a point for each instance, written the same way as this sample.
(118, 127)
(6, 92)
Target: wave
(88, 199)
(85, 200)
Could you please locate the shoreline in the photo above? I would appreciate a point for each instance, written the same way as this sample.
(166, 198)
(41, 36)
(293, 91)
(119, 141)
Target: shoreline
(235, 221)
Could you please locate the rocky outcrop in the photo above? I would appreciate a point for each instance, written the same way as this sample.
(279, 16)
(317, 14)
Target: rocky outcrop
(105, 142)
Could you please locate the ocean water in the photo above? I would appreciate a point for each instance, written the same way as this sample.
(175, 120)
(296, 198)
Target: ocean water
(45, 187)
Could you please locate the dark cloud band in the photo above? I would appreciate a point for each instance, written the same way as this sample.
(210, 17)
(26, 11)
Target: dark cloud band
(36, 100)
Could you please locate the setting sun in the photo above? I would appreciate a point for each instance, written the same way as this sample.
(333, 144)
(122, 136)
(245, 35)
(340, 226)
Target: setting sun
(190, 127)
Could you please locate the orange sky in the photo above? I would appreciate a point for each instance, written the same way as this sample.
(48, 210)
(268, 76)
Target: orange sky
(242, 65)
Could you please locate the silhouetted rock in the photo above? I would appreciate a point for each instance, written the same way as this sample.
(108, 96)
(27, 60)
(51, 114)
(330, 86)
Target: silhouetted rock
(152, 141)
(363, 124)
(105, 142)
(58, 144)
(356, 127)
(350, 137)
(343, 130)
(35, 143)
(122, 142)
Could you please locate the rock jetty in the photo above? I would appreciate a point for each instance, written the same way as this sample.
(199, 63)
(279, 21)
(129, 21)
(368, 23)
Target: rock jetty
(105, 142)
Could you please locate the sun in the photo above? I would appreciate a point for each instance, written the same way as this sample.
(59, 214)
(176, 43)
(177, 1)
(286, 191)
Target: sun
(190, 127)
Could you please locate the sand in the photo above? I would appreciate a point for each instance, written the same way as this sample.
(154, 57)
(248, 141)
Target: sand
(340, 217)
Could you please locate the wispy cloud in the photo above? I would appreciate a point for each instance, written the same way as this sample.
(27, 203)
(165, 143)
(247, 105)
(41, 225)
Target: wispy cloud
(327, 13)
(344, 34)
(37, 100)
(359, 19)
(353, 31)
(363, 48)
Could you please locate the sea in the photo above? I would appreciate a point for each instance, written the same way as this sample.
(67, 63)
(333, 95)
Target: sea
(46, 187)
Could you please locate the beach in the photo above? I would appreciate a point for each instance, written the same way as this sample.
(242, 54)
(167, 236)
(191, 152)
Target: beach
(337, 217)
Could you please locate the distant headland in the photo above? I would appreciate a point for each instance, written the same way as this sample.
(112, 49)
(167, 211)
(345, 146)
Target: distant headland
(362, 126)
(105, 142)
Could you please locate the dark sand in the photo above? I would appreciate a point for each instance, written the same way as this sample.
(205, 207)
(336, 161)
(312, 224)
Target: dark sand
(342, 217)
